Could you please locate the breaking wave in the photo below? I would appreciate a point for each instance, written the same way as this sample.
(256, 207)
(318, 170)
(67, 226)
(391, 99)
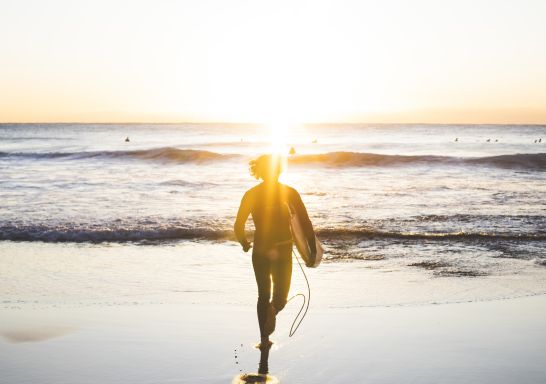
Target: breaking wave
(531, 161)
(78, 234)
(534, 161)
(83, 234)
(161, 154)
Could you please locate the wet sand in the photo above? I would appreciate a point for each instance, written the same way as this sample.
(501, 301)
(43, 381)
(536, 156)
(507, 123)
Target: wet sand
(502, 341)
(185, 313)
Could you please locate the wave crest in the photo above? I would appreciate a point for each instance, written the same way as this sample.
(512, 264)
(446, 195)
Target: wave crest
(536, 161)
(161, 154)
(529, 161)
(85, 234)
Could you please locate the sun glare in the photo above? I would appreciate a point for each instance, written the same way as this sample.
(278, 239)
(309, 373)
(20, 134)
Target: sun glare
(279, 137)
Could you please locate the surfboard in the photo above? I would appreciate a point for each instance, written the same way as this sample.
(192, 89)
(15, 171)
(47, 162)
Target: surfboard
(302, 245)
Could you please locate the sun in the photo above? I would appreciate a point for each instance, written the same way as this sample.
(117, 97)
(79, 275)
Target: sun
(279, 132)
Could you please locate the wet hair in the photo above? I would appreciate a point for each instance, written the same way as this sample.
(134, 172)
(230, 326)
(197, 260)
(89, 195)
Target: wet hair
(266, 167)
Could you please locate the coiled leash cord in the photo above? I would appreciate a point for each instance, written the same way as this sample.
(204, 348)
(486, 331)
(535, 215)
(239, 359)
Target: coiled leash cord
(306, 300)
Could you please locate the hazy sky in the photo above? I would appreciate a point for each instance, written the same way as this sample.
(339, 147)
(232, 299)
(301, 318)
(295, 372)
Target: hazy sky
(264, 61)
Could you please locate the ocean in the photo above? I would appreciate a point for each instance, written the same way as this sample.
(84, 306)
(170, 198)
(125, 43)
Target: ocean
(440, 201)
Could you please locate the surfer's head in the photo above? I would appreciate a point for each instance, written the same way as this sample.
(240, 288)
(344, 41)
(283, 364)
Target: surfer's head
(267, 167)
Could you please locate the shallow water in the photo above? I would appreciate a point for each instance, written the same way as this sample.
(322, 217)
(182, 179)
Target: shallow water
(376, 194)
(38, 275)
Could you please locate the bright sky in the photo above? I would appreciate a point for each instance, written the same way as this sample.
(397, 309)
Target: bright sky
(271, 61)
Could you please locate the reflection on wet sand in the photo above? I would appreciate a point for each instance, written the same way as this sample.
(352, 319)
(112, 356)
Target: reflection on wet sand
(35, 335)
(263, 372)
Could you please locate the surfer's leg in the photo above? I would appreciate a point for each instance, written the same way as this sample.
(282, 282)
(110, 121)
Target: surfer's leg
(262, 272)
(282, 275)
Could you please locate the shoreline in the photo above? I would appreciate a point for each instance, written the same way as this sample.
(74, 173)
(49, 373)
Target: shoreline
(40, 275)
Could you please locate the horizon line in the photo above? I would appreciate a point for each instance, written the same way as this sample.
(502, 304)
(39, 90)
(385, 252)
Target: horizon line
(262, 123)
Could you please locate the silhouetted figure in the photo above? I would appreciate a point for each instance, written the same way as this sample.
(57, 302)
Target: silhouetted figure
(292, 151)
(270, 203)
(540, 140)
(127, 139)
(496, 140)
(536, 141)
(488, 140)
(263, 367)
(456, 139)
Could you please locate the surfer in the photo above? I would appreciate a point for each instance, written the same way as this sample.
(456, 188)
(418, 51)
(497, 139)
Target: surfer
(269, 203)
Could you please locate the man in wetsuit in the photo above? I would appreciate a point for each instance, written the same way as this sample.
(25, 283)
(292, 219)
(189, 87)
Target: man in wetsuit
(270, 204)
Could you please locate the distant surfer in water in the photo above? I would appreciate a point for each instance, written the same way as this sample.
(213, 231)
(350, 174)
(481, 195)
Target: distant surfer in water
(270, 203)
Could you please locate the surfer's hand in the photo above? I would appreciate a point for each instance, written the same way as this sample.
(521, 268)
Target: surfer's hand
(246, 246)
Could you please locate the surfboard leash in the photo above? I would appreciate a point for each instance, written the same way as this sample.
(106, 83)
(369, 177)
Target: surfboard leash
(306, 301)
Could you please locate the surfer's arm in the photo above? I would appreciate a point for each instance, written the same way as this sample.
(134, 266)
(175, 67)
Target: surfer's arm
(301, 211)
(242, 216)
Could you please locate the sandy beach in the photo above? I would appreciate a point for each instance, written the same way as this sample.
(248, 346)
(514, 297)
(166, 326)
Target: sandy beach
(498, 341)
(105, 314)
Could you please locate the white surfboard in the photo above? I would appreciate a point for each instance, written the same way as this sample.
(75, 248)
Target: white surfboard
(302, 245)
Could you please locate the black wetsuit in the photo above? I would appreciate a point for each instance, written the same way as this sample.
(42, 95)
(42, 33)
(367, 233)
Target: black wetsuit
(268, 203)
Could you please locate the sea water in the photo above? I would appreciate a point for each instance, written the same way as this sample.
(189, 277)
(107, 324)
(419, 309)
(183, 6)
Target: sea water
(435, 201)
